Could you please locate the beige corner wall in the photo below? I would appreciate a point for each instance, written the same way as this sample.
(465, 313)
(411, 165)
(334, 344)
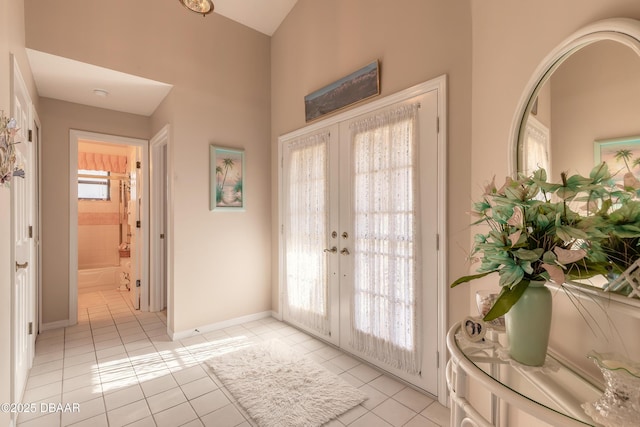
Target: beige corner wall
(509, 40)
(322, 41)
(58, 118)
(219, 261)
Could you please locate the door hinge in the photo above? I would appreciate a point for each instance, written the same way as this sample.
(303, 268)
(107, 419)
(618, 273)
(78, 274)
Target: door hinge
(30, 136)
(162, 236)
(30, 328)
(437, 124)
(437, 242)
(137, 283)
(437, 359)
(138, 224)
(31, 231)
(138, 165)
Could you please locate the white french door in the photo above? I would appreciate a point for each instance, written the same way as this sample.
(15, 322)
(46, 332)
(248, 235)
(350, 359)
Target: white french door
(360, 221)
(310, 272)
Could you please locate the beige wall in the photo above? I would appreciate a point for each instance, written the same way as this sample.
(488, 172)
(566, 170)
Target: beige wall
(220, 70)
(320, 42)
(510, 39)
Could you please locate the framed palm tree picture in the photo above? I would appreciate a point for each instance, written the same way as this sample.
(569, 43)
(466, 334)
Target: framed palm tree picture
(622, 155)
(226, 178)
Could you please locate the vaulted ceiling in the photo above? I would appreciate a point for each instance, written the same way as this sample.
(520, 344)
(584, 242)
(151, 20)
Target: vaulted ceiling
(73, 81)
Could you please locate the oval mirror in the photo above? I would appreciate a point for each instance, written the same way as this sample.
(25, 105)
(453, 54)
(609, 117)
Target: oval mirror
(581, 105)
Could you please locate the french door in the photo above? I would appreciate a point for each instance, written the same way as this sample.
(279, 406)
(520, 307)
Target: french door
(360, 221)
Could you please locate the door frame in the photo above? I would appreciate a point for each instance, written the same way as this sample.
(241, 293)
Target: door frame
(37, 235)
(440, 85)
(160, 218)
(74, 137)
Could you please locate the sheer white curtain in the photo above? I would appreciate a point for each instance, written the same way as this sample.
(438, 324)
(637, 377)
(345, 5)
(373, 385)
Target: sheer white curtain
(306, 295)
(535, 147)
(385, 296)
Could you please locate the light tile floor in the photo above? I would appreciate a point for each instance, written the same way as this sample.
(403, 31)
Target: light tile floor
(120, 368)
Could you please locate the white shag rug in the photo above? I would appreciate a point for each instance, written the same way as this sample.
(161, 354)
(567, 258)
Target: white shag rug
(278, 387)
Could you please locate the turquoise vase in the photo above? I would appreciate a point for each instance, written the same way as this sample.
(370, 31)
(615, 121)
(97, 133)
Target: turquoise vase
(528, 323)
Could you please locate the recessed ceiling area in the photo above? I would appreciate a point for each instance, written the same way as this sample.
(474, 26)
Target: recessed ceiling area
(73, 81)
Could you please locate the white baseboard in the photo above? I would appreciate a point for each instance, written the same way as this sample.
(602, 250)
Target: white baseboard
(219, 325)
(276, 315)
(54, 325)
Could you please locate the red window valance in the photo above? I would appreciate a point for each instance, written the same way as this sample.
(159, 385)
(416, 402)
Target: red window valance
(102, 162)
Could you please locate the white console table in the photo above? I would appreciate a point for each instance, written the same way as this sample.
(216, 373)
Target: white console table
(553, 393)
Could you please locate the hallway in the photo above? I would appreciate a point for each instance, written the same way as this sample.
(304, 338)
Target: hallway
(119, 367)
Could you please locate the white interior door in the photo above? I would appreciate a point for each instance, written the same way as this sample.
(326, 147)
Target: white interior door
(322, 236)
(135, 224)
(158, 227)
(23, 221)
(163, 276)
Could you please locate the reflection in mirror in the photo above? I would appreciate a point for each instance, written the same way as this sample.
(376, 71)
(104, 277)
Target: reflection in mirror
(536, 147)
(593, 95)
(587, 107)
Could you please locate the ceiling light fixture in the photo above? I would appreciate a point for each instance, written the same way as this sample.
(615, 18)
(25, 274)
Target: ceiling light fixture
(198, 6)
(102, 93)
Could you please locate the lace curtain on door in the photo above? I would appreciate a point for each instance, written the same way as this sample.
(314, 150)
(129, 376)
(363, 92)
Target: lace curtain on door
(384, 321)
(306, 295)
(535, 150)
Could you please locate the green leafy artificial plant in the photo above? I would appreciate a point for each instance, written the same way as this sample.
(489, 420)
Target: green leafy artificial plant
(540, 231)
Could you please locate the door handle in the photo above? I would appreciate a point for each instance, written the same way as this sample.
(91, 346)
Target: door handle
(345, 251)
(333, 250)
(19, 266)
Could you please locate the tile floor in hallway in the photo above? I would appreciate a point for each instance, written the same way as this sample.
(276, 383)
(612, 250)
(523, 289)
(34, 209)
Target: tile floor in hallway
(121, 368)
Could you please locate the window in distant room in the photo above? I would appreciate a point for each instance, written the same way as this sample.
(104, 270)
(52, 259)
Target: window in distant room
(90, 188)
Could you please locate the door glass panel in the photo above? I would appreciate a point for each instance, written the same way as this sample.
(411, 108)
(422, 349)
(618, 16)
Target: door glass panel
(385, 272)
(306, 292)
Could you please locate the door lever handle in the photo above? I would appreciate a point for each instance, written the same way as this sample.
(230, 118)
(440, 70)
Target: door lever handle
(333, 250)
(345, 251)
(19, 266)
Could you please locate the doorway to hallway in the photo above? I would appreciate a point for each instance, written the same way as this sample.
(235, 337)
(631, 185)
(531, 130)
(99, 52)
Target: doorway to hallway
(109, 217)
